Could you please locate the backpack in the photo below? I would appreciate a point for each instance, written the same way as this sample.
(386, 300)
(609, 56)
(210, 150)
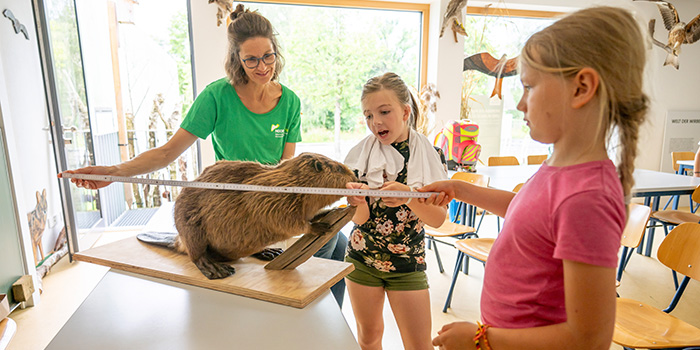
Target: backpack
(457, 139)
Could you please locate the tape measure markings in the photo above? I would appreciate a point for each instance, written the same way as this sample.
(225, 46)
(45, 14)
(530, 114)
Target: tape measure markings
(253, 188)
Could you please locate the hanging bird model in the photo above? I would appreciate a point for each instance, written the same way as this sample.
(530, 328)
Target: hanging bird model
(678, 32)
(453, 18)
(487, 64)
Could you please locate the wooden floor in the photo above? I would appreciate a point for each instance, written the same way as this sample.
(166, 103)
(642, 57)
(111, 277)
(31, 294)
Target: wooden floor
(68, 284)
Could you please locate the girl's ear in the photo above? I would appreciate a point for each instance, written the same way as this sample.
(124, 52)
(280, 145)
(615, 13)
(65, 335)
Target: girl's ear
(406, 112)
(586, 84)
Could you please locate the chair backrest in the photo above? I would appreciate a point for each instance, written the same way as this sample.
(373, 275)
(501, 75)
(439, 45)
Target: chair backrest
(518, 187)
(676, 156)
(536, 159)
(503, 160)
(477, 179)
(696, 195)
(637, 219)
(680, 250)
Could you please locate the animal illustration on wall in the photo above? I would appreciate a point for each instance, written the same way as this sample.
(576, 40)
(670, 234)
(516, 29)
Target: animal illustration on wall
(487, 64)
(453, 18)
(215, 226)
(679, 32)
(37, 224)
(225, 7)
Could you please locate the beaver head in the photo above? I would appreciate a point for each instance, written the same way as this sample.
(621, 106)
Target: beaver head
(316, 170)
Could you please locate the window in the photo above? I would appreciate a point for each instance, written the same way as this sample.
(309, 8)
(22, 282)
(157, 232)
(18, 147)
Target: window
(502, 130)
(350, 45)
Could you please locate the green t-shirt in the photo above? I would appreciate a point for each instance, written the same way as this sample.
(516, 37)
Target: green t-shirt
(239, 134)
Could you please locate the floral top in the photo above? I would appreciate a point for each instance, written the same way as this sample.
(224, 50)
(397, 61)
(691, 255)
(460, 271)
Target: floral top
(392, 239)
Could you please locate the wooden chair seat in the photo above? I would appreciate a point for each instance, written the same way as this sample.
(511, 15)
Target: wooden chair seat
(448, 229)
(641, 326)
(675, 217)
(477, 248)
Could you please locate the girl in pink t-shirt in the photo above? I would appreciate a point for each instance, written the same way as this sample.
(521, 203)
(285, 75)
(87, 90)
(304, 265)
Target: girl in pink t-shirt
(550, 277)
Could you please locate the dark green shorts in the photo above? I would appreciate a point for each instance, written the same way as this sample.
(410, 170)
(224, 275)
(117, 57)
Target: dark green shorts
(371, 277)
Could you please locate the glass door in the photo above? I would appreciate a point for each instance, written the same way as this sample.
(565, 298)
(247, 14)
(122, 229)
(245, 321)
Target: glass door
(11, 266)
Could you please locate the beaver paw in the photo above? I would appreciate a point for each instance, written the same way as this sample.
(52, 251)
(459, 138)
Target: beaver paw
(320, 227)
(268, 254)
(214, 270)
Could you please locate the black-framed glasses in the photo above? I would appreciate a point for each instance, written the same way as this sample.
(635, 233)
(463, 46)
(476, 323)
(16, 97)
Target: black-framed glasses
(253, 62)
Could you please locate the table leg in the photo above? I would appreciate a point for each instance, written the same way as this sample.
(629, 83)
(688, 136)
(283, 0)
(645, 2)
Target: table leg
(650, 232)
(647, 202)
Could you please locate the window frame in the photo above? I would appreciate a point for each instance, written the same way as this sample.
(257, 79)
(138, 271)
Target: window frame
(424, 9)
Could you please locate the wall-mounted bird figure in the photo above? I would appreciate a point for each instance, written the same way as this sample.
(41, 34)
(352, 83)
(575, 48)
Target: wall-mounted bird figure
(453, 18)
(678, 32)
(19, 27)
(487, 64)
(225, 7)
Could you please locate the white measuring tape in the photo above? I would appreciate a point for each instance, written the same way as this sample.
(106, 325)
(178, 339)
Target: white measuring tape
(255, 188)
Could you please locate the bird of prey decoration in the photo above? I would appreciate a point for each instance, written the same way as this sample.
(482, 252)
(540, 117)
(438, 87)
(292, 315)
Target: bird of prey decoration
(678, 32)
(487, 64)
(453, 18)
(18, 27)
(225, 7)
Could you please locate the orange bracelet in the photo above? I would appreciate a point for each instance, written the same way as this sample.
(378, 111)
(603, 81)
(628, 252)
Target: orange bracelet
(481, 332)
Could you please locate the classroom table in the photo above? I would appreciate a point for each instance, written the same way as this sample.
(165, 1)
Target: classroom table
(649, 184)
(131, 311)
(684, 165)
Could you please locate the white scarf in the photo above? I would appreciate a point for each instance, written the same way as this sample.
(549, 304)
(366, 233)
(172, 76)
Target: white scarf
(372, 160)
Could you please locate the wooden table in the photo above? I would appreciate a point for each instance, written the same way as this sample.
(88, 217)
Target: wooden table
(650, 185)
(130, 311)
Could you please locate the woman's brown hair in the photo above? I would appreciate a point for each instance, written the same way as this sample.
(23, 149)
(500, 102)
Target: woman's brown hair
(244, 25)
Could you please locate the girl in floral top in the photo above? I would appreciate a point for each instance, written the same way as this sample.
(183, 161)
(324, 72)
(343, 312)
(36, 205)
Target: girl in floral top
(387, 243)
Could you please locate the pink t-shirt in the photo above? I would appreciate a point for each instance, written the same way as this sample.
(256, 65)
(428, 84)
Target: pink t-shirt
(562, 213)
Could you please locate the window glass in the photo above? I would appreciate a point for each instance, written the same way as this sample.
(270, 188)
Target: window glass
(349, 46)
(498, 35)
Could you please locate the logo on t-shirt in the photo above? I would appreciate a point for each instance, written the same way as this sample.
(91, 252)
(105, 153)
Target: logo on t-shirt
(279, 133)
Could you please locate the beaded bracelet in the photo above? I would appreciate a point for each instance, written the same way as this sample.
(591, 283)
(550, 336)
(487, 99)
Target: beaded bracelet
(481, 332)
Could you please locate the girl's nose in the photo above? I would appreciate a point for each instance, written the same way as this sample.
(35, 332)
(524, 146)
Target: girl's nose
(522, 106)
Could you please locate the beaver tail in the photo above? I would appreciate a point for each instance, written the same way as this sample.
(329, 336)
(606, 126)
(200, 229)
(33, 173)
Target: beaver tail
(163, 239)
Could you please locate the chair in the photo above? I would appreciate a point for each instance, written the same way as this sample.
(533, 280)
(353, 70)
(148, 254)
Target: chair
(453, 229)
(475, 248)
(676, 217)
(638, 325)
(536, 159)
(637, 219)
(503, 160)
(675, 157)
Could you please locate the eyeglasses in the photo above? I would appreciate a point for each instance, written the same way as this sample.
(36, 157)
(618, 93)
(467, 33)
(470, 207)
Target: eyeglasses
(253, 62)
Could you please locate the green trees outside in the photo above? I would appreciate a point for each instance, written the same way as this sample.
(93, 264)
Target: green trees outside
(331, 52)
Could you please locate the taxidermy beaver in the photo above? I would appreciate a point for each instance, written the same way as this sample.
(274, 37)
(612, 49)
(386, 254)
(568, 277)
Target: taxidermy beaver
(215, 226)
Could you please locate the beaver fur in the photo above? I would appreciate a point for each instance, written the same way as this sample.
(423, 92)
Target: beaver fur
(215, 226)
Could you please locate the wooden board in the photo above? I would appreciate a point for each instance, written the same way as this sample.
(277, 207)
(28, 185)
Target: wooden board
(296, 288)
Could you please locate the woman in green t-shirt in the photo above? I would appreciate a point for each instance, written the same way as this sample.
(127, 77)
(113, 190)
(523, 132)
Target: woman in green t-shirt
(250, 115)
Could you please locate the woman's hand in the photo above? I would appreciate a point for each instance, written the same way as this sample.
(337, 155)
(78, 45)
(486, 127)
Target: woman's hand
(456, 336)
(446, 189)
(395, 186)
(90, 184)
(356, 200)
